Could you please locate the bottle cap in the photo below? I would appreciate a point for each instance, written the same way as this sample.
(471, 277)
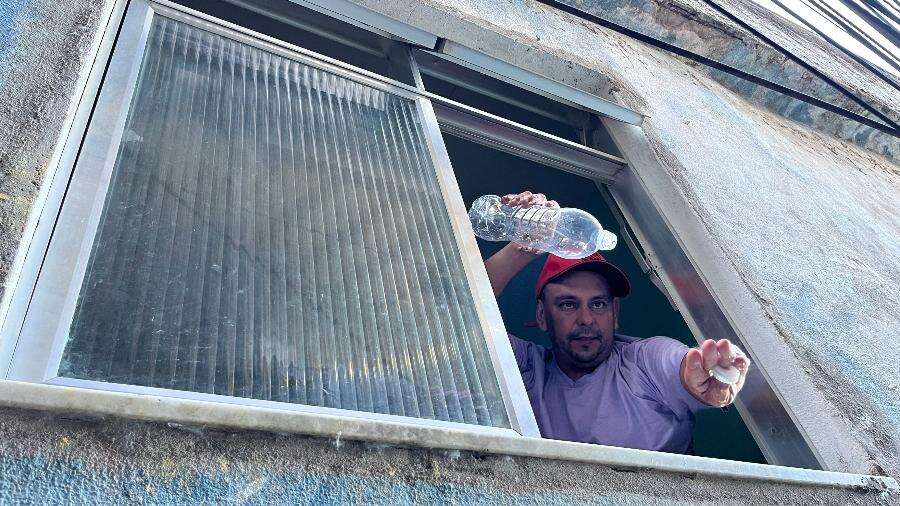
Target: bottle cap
(726, 375)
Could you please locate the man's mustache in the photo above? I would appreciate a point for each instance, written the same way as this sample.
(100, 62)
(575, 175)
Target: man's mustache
(596, 335)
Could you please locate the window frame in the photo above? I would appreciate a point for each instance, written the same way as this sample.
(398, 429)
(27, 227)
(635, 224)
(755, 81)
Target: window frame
(44, 325)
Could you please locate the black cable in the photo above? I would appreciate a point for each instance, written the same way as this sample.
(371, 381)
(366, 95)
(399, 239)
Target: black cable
(876, 12)
(882, 27)
(818, 73)
(846, 25)
(846, 51)
(890, 55)
(887, 55)
(890, 128)
(884, 9)
(892, 4)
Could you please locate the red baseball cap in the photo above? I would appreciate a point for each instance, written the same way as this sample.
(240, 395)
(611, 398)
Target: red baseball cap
(556, 266)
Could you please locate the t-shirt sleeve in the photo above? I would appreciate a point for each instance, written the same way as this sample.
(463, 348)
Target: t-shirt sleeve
(660, 359)
(522, 350)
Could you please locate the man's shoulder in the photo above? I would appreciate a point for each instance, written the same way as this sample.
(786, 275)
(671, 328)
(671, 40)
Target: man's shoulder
(624, 341)
(652, 348)
(525, 346)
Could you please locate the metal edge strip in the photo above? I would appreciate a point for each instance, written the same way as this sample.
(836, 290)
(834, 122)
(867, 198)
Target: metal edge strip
(92, 385)
(627, 191)
(515, 397)
(22, 277)
(499, 69)
(370, 20)
(512, 140)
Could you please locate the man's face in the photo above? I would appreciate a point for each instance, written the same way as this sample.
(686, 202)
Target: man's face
(579, 313)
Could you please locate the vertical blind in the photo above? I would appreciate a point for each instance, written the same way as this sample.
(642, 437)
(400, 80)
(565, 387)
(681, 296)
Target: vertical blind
(275, 231)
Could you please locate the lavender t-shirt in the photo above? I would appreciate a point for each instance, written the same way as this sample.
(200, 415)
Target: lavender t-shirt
(634, 399)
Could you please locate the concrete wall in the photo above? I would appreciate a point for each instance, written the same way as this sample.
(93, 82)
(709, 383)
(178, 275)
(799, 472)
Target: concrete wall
(46, 459)
(807, 222)
(43, 44)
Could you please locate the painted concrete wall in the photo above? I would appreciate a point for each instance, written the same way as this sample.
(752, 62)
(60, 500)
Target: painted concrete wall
(809, 223)
(45, 459)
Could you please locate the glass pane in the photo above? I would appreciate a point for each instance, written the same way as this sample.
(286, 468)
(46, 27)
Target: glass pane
(277, 232)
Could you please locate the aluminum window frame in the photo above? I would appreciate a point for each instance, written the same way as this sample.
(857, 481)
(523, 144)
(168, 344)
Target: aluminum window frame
(766, 415)
(35, 341)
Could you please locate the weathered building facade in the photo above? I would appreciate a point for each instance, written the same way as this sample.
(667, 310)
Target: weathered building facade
(788, 216)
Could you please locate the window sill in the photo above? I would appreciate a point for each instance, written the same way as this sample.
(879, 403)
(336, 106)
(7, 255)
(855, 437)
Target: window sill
(191, 412)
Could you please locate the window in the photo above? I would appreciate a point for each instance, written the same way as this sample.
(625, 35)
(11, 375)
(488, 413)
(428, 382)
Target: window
(758, 427)
(257, 224)
(250, 222)
(645, 312)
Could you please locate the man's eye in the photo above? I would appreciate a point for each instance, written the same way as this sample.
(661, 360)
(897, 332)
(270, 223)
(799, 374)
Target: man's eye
(567, 305)
(600, 304)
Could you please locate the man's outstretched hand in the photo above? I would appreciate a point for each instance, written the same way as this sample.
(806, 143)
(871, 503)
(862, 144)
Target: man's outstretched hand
(696, 367)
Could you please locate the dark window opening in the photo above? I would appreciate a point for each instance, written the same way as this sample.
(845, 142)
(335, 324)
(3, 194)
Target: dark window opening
(481, 170)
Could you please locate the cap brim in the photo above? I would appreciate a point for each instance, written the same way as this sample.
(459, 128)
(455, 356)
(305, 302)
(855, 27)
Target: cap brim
(619, 286)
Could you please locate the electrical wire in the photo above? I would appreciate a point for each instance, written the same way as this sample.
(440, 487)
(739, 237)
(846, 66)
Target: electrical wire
(846, 51)
(888, 54)
(889, 126)
(846, 25)
(882, 11)
(872, 21)
(818, 73)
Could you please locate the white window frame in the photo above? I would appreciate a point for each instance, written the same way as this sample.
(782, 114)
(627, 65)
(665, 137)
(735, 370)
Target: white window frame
(44, 328)
(162, 405)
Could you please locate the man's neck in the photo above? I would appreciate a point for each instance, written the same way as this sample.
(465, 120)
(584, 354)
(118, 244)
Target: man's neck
(573, 371)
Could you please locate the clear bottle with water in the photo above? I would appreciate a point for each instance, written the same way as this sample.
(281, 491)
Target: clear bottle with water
(566, 232)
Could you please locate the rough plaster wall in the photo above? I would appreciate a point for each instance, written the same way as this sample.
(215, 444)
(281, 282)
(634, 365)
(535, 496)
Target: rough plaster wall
(693, 25)
(810, 223)
(49, 460)
(42, 47)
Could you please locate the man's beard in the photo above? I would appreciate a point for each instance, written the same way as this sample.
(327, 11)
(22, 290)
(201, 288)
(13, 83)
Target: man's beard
(590, 361)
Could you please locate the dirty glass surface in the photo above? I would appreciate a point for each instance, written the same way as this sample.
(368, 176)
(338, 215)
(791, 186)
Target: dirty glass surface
(274, 231)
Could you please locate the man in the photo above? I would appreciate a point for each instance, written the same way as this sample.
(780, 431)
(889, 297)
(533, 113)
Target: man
(596, 386)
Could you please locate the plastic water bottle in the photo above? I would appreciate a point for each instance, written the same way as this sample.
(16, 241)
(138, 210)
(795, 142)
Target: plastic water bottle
(565, 232)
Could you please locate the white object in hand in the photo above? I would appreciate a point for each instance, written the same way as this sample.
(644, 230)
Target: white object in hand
(727, 375)
(565, 232)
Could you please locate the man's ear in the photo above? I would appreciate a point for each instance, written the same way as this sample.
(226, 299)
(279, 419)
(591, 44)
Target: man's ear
(539, 315)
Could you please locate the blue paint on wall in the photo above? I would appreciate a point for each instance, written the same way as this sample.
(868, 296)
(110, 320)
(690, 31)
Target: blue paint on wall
(45, 481)
(10, 11)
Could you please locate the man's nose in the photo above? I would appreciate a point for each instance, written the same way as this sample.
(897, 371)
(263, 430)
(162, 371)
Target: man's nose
(585, 317)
